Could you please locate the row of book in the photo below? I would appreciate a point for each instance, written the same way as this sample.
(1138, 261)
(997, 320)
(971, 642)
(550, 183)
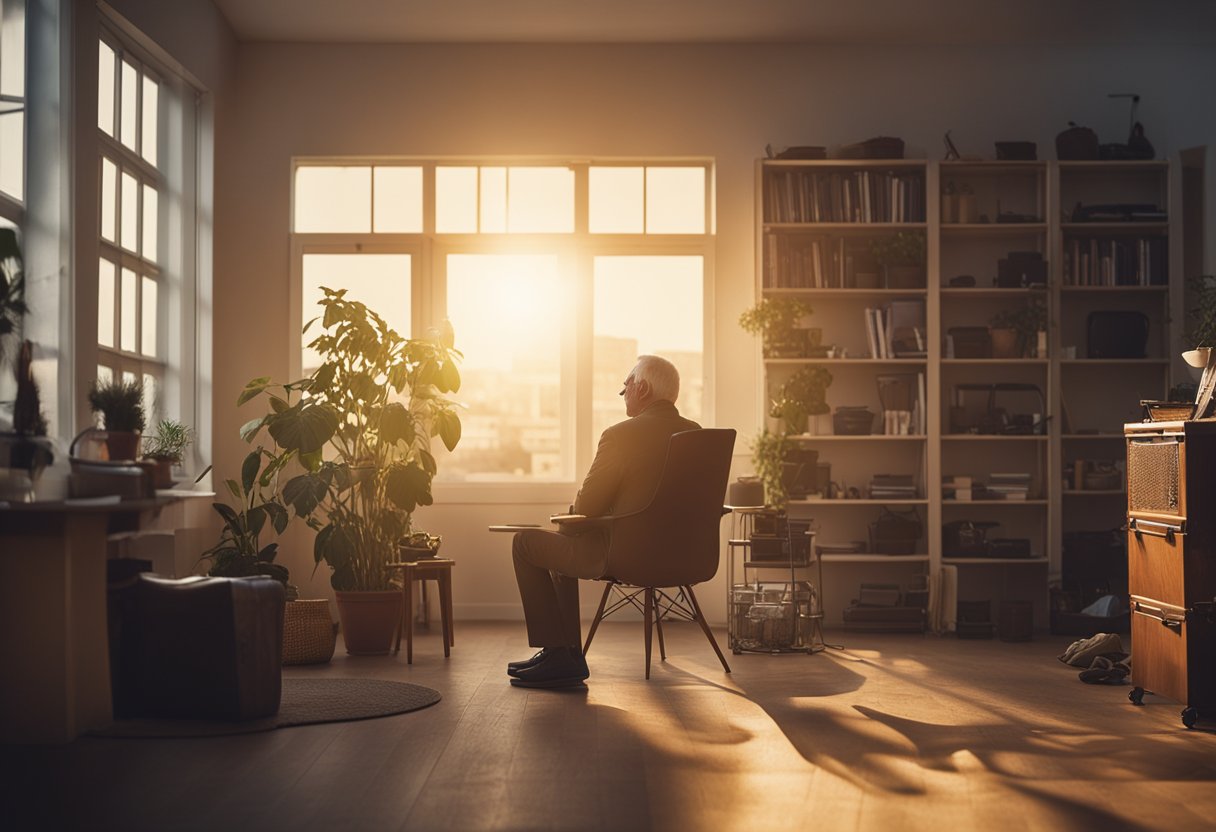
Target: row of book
(1116, 261)
(896, 330)
(802, 262)
(893, 487)
(1000, 486)
(844, 196)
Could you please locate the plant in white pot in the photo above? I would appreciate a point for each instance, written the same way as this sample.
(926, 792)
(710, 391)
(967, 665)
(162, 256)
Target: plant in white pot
(361, 425)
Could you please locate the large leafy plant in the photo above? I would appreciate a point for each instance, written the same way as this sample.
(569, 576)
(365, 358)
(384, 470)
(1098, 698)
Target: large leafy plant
(240, 552)
(361, 426)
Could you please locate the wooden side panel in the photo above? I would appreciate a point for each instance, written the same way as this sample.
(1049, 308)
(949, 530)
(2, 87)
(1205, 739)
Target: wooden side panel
(1155, 567)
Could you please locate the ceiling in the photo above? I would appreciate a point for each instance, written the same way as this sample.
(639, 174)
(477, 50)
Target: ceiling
(926, 22)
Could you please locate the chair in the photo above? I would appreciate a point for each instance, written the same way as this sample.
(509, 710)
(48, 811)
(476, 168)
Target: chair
(672, 543)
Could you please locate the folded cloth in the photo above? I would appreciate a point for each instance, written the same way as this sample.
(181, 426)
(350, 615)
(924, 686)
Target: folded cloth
(1081, 653)
(1104, 671)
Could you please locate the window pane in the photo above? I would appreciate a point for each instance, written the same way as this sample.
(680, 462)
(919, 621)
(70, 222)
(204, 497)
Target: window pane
(154, 409)
(382, 281)
(456, 200)
(616, 200)
(675, 200)
(105, 303)
(109, 178)
(335, 200)
(105, 88)
(398, 200)
(540, 200)
(126, 309)
(506, 310)
(128, 104)
(12, 155)
(148, 311)
(148, 240)
(493, 200)
(129, 230)
(12, 49)
(646, 305)
(104, 375)
(149, 136)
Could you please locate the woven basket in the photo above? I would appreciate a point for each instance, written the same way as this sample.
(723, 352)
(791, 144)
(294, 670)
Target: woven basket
(308, 632)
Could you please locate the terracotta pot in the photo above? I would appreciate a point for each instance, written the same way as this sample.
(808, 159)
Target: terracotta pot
(122, 444)
(1004, 343)
(162, 471)
(369, 621)
(905, 277)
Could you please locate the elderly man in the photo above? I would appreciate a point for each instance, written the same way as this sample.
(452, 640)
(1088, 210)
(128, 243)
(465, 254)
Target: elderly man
(622, 479)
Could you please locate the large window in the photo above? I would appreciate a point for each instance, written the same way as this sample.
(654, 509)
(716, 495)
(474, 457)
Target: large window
(555, 277)
(12, 108)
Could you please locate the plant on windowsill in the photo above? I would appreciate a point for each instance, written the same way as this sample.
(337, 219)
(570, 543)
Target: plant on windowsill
(777, 321)
(361, 425)
(803, 395)
(901, 256)
(1015, 330)
(120, 404)
(166, 447)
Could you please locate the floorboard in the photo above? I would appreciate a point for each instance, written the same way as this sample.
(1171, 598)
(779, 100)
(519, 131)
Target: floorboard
(892, 732)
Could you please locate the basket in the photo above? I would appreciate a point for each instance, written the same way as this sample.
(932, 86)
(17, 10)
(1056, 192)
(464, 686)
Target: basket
(308, 632)
(1155, 411)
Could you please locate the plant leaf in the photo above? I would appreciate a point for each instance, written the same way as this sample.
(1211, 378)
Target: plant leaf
(396, 423)
(249, 470)
(304, 428)
(252, 389)
(449, 377)
(449, 428)
(408, 486)
(250, 429)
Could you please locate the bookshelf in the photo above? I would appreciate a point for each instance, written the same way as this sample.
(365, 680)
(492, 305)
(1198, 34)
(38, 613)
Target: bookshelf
(999, 238)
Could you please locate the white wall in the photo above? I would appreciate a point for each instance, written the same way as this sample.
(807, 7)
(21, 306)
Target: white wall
(725, 102)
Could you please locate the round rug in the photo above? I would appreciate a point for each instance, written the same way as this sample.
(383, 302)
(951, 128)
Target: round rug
(303, 702)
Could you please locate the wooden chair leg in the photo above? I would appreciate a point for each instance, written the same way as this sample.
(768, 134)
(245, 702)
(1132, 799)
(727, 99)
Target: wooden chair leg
(649, 614)
(658, 626)
(705, 626)
(407, 614)
(445, 611)
(599, 615)
(401, 622)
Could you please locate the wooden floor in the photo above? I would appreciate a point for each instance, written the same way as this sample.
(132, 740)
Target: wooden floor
(895, 732)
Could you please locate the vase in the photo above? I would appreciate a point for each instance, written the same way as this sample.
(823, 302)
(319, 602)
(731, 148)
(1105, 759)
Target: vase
(122, 444)
(369, 620)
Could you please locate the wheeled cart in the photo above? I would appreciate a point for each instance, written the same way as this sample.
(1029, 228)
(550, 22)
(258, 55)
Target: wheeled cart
(1171, 551)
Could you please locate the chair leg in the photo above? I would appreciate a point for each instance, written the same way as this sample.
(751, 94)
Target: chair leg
(649, 614)
(705, 626)
(658, 626)
(599, 615)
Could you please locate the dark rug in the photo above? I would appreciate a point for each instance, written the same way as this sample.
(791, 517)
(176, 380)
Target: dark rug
(304, 702)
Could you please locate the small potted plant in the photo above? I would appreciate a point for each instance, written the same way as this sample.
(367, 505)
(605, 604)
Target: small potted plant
(166, 447)
(902, 258)
(1200, 320)
(769, 450)
(121, 405)
(1015, 330)
(803, 395)
(779, 323)
(419, 546)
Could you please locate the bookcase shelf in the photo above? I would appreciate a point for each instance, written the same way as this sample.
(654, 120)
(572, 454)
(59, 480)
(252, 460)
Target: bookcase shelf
(973, 216)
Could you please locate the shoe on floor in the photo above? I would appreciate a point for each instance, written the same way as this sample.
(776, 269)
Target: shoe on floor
(513, 668)
(560, 668)
(1104, 672)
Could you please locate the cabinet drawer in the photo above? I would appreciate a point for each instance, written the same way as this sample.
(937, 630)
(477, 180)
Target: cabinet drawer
(1154, 563)
(1156, 475)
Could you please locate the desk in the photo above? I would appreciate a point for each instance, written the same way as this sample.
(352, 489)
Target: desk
(55, 647)
(439, 570)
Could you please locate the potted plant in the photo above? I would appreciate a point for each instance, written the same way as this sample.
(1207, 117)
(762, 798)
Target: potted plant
(1015, 330)
(803, 395)
(12, 287)
(166, 447)
(902, 258)
(1200, 320)
(240, 552)
(361, 425)
(121, 406)
(769, 450)
(778, 322)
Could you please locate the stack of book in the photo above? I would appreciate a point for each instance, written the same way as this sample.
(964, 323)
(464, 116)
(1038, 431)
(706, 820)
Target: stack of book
(892, 487)
(1015, 486)
(956, 487)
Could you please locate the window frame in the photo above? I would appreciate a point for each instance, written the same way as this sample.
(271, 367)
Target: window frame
(12, 208)
(580, 247)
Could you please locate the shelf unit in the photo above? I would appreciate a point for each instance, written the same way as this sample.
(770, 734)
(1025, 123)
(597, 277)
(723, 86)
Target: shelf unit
(1008, 207)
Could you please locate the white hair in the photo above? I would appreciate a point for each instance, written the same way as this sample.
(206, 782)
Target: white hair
(660, 374)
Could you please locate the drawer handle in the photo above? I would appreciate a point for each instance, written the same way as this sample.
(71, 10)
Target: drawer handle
(1172, 620)
(1155, 529)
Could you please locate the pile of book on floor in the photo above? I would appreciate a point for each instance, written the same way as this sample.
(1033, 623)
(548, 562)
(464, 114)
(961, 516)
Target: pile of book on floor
(1014, 486)
(887, 608)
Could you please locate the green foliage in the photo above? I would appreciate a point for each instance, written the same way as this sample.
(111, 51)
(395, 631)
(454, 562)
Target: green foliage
(776, 320)
(361, 426)
(120, 403)
(1027, 320)
(803, 395)
(12, 287)
(907, 248)
(28, 417)
(1201, 311)
(240, 553)
(768, 457)
(169, 441)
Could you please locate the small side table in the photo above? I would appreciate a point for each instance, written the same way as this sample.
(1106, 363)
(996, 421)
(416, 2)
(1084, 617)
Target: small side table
(436, 569)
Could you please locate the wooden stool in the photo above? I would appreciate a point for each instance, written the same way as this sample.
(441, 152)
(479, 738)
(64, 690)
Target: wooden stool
(436, 569)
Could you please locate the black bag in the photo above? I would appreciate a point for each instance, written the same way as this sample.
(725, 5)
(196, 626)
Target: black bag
(1121, 333)
(1076, 143)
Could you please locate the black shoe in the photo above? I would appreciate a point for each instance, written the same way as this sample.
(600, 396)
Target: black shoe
(560, 668)
(513, 668)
